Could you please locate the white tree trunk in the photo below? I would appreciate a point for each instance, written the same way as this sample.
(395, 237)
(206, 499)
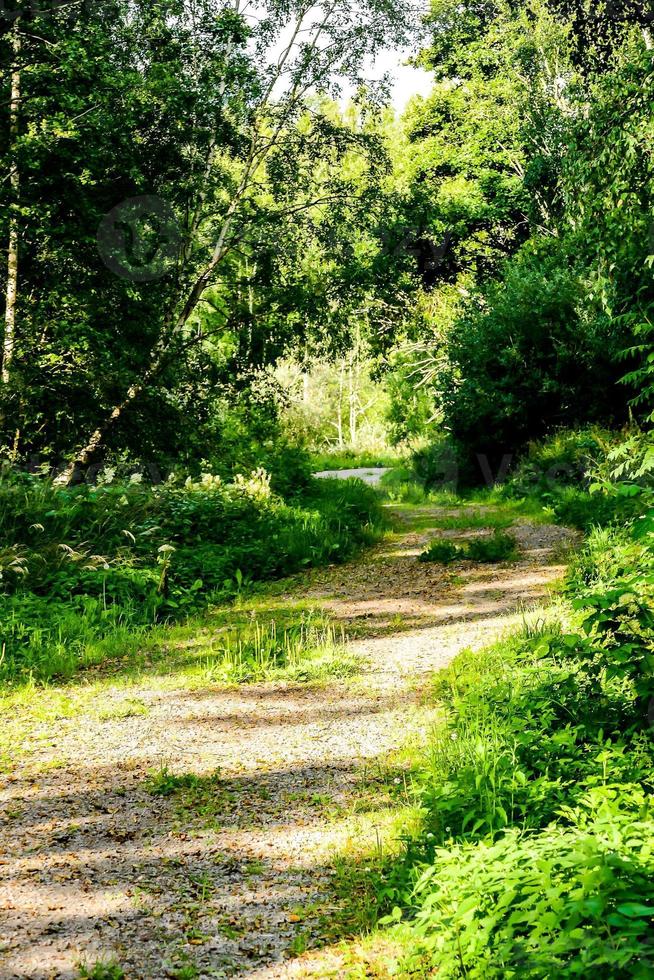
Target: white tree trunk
(11, 294)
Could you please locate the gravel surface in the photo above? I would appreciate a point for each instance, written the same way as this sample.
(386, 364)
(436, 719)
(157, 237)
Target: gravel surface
(371, 475)
(94, 866)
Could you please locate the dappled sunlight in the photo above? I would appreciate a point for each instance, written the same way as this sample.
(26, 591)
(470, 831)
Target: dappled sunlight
(183, 820)
(257, 849)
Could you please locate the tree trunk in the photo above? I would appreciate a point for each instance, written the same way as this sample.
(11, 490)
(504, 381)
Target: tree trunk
(171, 330)
(11, 295)
(74, 472)
(339, 417)
(353, 405)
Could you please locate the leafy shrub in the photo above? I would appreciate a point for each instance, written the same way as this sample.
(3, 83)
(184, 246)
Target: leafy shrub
(436, 466)
(566, 470)
(612, 587)
(563, 903)
(533, 350)
(491, 548)
(608, 552)
(245, 432)
(533, 858)
(567, 458)
(166, 783)
(441, 551)
(497, 547)
(584, 510)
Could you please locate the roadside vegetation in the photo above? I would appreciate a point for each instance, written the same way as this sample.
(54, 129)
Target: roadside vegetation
(526, 848)
(88, 571)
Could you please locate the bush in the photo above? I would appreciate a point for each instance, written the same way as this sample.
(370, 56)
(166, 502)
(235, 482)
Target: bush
(435, 466)
(583, 510)
(443, 552)
(567, 458)
(533, 351)
(563, 903)
(491, 548)
(497, 547)
(563, 471)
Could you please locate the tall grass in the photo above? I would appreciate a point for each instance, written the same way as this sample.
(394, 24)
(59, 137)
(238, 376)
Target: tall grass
(307, 650)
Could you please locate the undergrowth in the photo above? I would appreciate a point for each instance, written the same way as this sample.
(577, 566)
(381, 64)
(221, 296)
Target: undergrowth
(496, 547)
(86, 572)
(533, 857)
(349, 459)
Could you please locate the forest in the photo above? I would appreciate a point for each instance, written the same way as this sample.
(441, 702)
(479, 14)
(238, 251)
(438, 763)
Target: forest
(326, 489)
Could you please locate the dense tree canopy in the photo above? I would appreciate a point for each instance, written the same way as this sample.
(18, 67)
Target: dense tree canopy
(186, 203)
(181, 180)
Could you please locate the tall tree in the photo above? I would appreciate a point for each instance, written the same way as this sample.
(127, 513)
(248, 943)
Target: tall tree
(293, 50)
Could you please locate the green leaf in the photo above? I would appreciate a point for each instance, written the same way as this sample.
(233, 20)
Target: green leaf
(634, 910)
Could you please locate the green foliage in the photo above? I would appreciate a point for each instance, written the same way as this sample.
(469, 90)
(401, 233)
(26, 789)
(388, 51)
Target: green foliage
(497, 547)
(307, 650)
(583, 510)
(435, 465)
(530, 356)
(336, 405)
(442, 552)
(349, 459)
(412, 411)
(401, 486)
(612, 586)
(182, 117)
(564, 903)
(567, 471)
(102, 970)
(545, 229)
(166, 783)
(566, 458)
(86, 570)
(533, 858)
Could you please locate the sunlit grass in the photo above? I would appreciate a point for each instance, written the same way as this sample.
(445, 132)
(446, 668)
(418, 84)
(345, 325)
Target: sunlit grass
(262, 637)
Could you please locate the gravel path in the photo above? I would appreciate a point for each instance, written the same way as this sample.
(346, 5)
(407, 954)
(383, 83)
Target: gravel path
(371, 475)
(95, 867)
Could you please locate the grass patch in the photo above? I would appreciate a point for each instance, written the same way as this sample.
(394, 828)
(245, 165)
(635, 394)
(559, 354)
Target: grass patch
(310, 650)
(166, 783)
(262, 637)
(442, 552)
(87, 573)
(497, 547)
(102, 970)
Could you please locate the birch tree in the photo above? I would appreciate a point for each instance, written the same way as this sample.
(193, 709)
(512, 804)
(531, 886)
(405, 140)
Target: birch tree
(295, 50)
(11, 290)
